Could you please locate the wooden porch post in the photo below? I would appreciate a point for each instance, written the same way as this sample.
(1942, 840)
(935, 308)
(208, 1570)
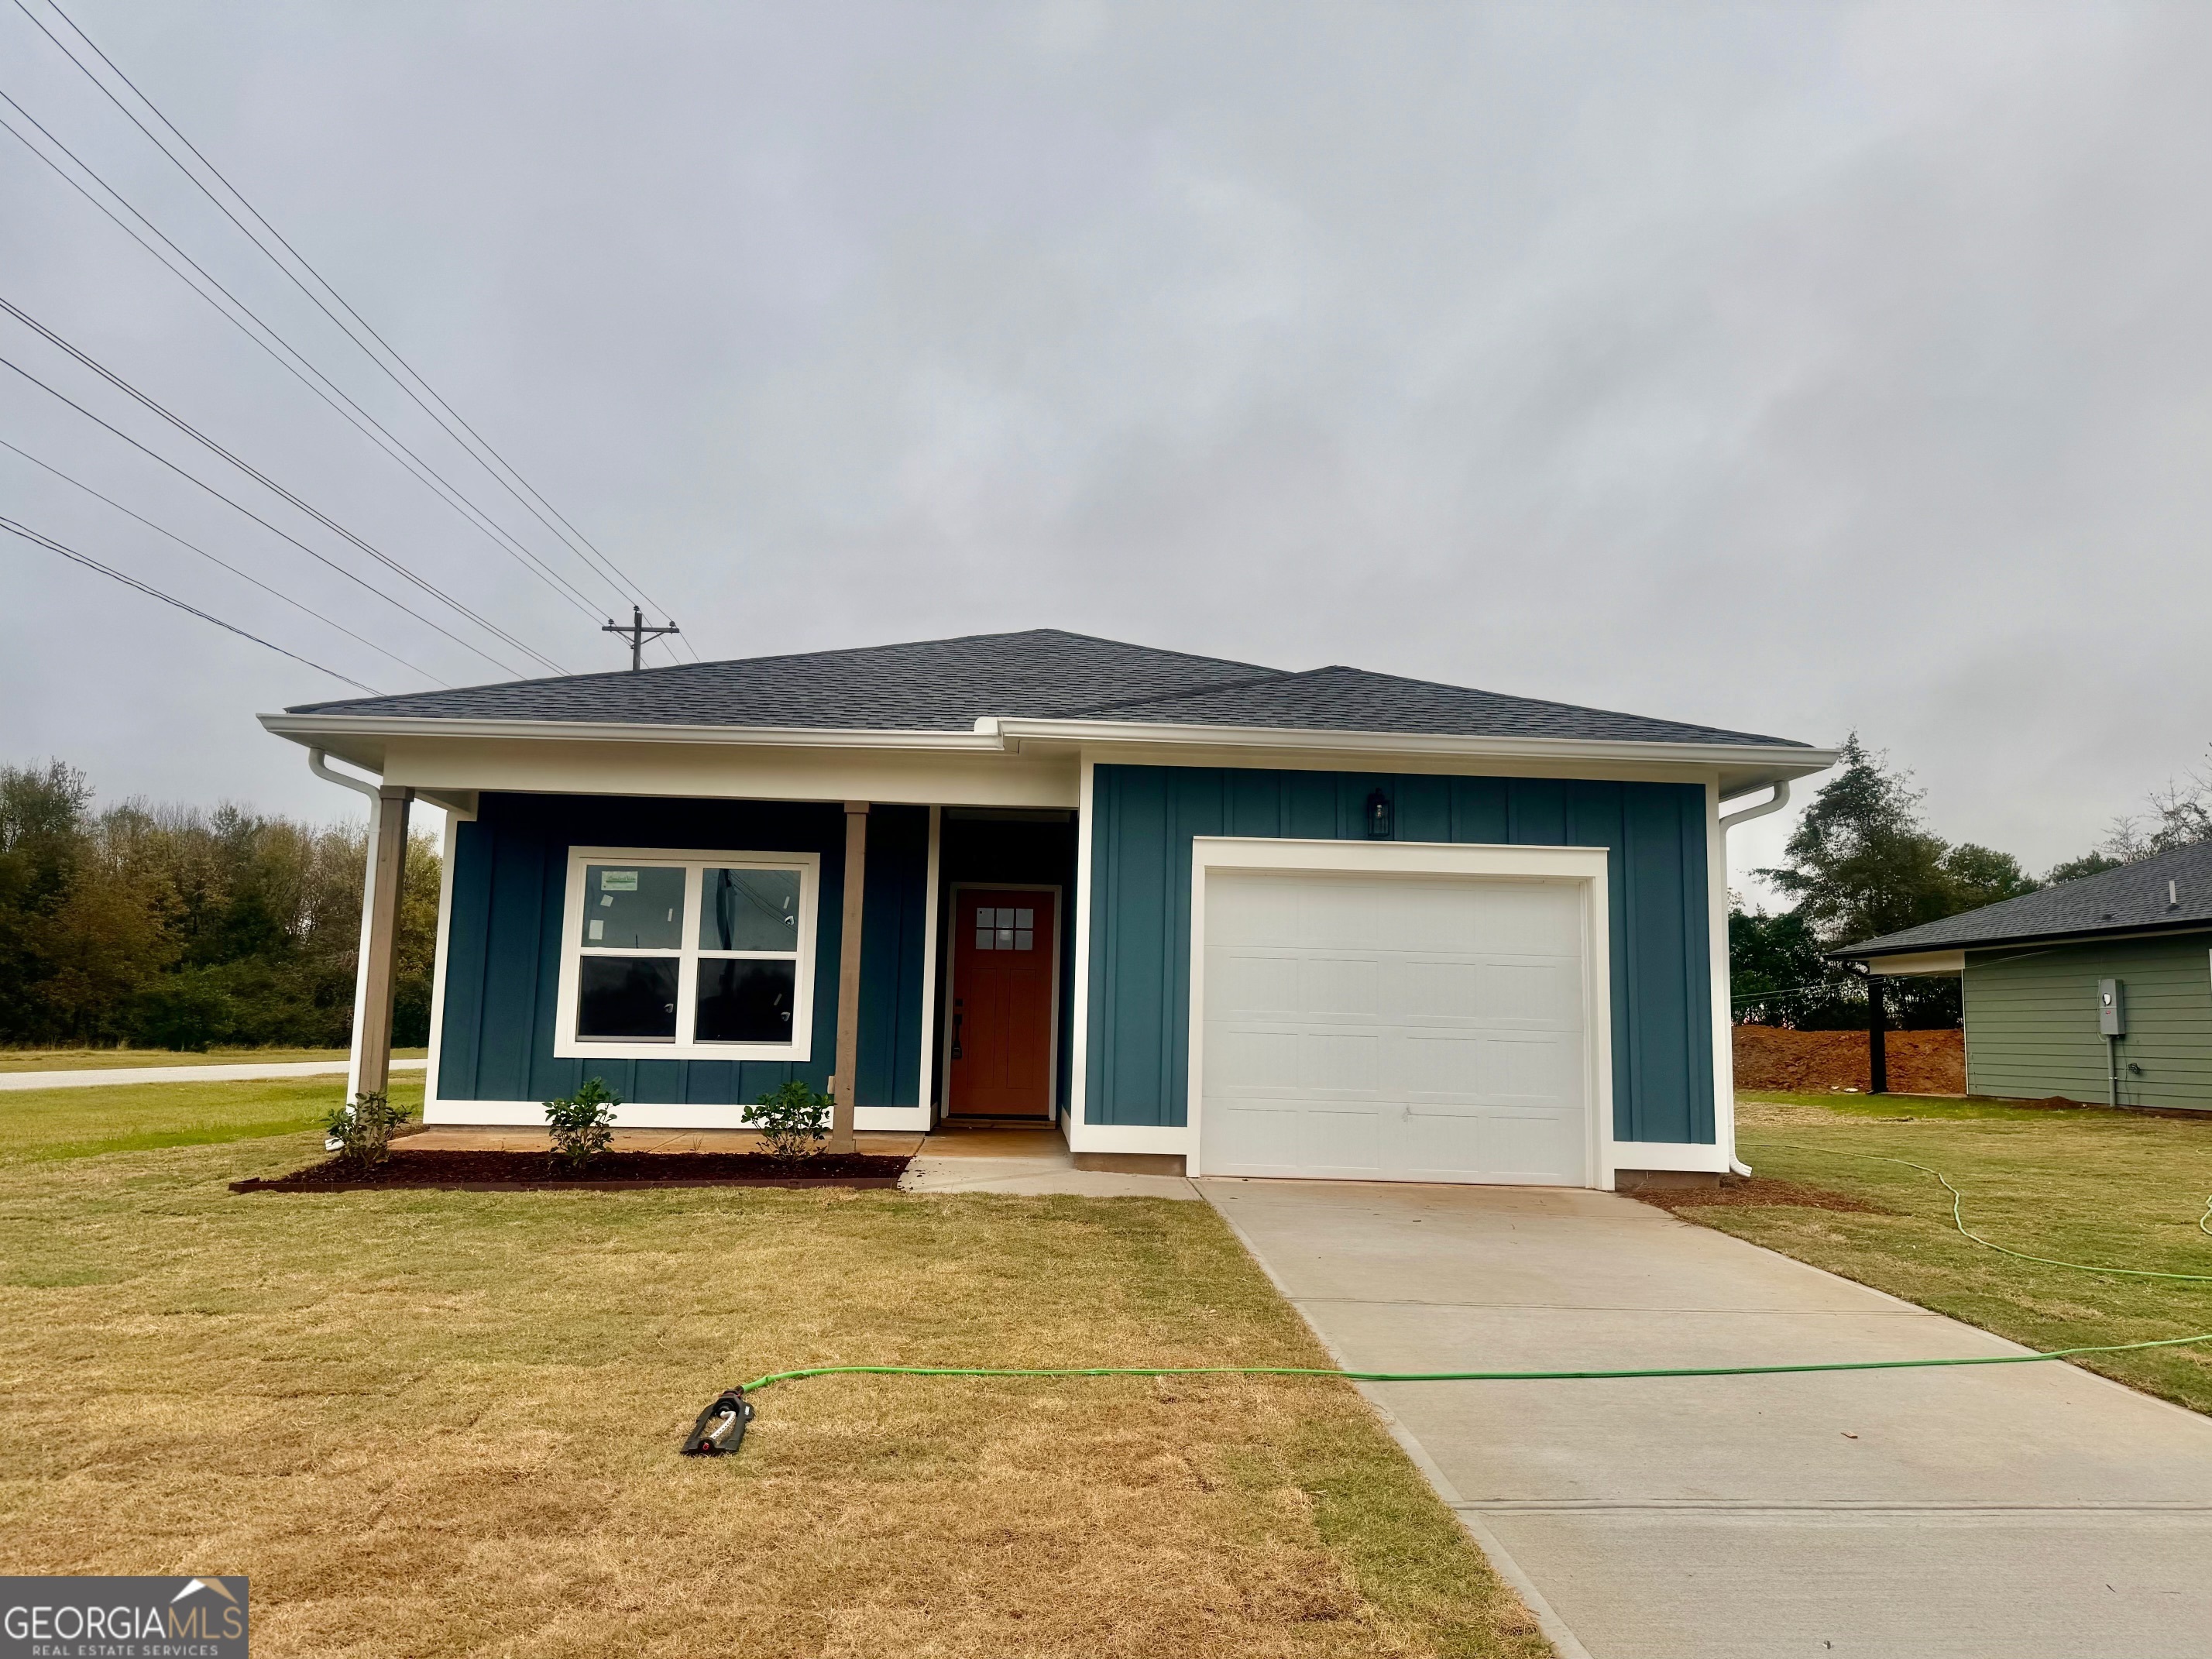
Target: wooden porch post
(379, 937)
(845, 1086)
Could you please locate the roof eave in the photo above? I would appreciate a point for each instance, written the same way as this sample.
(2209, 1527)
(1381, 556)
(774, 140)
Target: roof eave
(1766, 764)
(2118, 930)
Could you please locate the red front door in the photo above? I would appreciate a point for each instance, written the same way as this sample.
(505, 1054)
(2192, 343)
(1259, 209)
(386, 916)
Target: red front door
(1004, 955)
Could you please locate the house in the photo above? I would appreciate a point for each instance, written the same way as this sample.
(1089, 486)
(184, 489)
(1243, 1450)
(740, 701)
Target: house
(1203, 915)
(2096, 989)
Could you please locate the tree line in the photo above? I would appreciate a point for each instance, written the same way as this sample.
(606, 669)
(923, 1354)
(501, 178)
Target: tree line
(176, 927)
(1862, 863)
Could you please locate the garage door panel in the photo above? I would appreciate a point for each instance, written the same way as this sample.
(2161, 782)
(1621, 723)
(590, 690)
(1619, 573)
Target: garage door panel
(1259, 1059)
(1546, 992)
(1390, 1029)
(1296, 1137)
(1334, 987)
(1242, 984)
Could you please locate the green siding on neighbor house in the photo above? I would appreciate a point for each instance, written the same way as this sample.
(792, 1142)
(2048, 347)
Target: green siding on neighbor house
(1142, 819)
(503, 945)
(2032, 1021)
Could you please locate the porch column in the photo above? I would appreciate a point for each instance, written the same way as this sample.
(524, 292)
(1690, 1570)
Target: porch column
(844, 1084)
(379, 937)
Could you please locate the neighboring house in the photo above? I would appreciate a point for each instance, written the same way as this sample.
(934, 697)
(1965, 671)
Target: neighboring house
(1204, 914)
(2098, 989)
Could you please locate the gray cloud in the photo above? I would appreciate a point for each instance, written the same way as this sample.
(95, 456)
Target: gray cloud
(1801, 368)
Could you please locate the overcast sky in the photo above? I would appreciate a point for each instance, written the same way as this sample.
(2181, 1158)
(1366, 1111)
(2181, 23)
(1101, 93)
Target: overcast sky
(1793, 368)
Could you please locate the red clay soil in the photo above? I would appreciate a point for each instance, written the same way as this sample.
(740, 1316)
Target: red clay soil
(1920, 1062)
(518, 1171)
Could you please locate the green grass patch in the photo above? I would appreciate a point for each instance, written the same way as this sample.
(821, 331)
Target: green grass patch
(2108, 1188)
(41, 1125)
(92, 1060)
(432, 1422)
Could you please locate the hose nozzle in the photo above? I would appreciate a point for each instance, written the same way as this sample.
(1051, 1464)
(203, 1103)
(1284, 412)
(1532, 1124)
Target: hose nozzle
(721, 1427)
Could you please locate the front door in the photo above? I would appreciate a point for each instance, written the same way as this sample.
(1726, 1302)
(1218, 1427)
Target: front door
(1004, 962)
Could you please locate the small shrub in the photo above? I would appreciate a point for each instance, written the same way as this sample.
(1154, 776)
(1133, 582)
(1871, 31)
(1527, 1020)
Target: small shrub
(582, 1124)
(364, 1130)
(794, 1120)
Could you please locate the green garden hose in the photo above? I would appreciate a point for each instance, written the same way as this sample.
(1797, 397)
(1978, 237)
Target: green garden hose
(755, 1386)
(1957, 1219)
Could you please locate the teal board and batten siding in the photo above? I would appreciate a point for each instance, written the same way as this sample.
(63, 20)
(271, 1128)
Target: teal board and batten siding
(1143, 819)
(503, 945)
(2032, 1021)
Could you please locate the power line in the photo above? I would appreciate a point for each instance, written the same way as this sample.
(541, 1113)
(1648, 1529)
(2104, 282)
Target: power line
(578, 543)
(242, 575)
(270, 484)
(313, 553)
(72, 554)
(336, 396)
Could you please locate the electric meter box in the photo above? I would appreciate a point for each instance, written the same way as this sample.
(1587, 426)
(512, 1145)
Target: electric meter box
(2112, 1007)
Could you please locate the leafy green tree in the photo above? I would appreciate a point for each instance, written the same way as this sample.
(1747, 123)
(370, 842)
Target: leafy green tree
(1862, 863)
(176, 927)
(2089, 864)
(1778, 976)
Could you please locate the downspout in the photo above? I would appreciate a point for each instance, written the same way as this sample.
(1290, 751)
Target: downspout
(1781, 800)
(320, 766)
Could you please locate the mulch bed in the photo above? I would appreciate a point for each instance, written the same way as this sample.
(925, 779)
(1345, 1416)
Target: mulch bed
(506, 1172)
(1761, 1192)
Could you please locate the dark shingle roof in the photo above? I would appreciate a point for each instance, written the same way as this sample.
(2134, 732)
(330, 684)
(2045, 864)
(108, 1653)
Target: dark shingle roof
(945, 685)
(933, 685)
(2125, 899)
(1338, 699)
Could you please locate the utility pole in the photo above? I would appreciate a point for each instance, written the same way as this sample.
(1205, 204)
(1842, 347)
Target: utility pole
(637, 634)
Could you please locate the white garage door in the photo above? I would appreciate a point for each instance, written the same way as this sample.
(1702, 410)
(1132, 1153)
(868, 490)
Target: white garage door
(1394, 1029)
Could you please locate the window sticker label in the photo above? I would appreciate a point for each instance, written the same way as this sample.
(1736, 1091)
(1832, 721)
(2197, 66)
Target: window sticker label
(619, 881)
(598, 928)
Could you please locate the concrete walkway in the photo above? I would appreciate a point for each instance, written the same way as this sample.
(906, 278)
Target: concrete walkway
(2029, 1511)
(111, 1076)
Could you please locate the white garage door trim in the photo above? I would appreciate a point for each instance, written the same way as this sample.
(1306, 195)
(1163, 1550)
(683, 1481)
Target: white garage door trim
(1583, 866)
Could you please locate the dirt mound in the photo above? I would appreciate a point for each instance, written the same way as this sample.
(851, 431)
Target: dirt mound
(1920, 1062)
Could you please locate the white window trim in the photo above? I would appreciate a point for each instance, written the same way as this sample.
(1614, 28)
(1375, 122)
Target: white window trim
(568, 1046)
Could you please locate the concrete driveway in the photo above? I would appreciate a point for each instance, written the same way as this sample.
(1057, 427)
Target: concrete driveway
(2028, 1511)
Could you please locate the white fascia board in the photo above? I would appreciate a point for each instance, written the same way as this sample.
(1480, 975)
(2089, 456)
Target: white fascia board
(321, 729)
(1745, 766)
(1918, 962)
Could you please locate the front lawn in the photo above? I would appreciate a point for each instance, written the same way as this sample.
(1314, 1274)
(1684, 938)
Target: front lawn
(87, 1060)
(444, 1422)
(2094, 1186)
(41, 1124)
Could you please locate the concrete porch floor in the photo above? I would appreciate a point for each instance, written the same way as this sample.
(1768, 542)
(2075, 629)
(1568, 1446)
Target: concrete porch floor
(1014, 1158)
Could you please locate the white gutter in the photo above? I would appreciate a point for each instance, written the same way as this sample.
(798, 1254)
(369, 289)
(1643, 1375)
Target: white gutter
(1798, 761)
(1000, 735)
(317, 764)
(1781, 800)
(308, 728)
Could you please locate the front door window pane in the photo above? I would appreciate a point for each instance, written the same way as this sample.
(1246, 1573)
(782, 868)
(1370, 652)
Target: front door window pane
(750, 910)
(746, 1000)
(633, 907)
(633, 998)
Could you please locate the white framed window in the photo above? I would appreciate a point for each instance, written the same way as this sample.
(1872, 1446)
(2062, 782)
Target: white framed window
(680, 955)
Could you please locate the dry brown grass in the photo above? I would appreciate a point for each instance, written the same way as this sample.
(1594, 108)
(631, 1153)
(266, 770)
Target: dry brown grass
(442, 1423)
